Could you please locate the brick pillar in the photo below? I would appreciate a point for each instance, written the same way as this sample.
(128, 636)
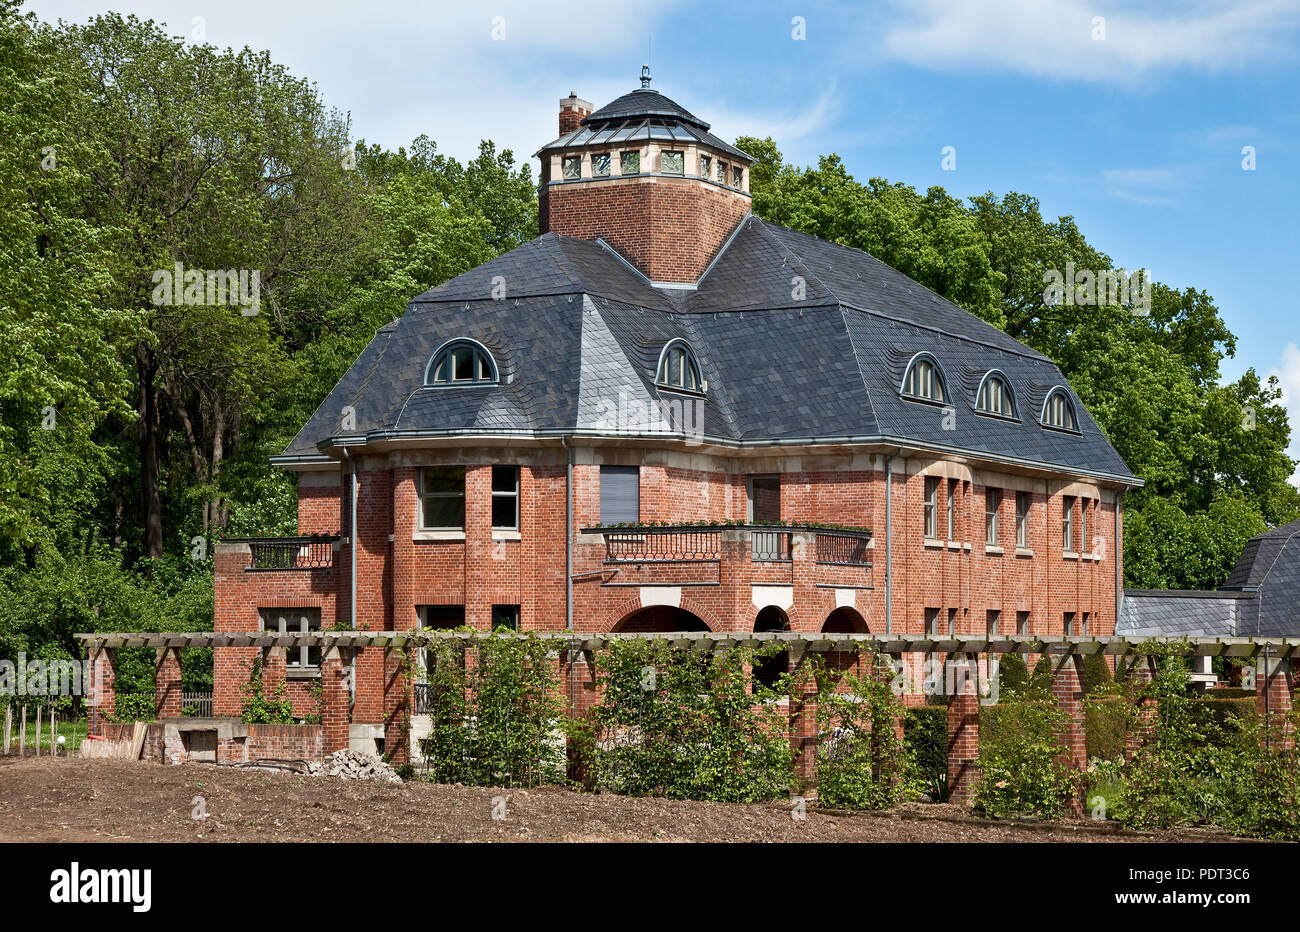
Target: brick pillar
(1067, 690)
(275, 670)
(167, 683)
(397, 707)
(103, 689)
(333, 702)
(1139, 675)
(963, 730)
(1274, 689)
(803, 725)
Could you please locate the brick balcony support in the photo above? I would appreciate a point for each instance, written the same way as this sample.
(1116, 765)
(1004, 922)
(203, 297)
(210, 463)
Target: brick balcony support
(334, 702)
(963, 729)
(103, 688)
(1067, 690)
(1274, 692)
(167, 683)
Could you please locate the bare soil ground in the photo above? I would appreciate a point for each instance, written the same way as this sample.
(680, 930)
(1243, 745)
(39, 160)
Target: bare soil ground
(71, 800)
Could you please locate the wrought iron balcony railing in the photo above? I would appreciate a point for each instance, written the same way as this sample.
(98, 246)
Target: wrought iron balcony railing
(704, 543)
(291, 553)
(844, 548)
(663, 545)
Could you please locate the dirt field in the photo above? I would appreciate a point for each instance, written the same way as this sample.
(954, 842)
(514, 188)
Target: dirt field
(70, 800)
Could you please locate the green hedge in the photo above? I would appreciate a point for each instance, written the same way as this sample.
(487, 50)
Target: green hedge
(1105, 723)
(925, 738)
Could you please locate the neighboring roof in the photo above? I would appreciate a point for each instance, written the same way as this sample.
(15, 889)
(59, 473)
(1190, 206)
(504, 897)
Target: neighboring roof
(1270, 566)
(578, 335)
(1182, 612)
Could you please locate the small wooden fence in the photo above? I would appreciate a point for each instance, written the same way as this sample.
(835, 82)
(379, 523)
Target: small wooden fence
(39, 729)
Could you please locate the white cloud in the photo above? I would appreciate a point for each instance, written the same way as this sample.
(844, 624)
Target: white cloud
(1288, 376)
(1054, 38)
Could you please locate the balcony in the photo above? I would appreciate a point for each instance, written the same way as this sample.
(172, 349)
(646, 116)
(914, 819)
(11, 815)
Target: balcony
(290, 553)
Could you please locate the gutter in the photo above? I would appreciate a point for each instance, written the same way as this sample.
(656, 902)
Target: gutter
(568, 534)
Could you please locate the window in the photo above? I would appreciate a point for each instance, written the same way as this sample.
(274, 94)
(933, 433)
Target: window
(630, 162)
(441, 617)
(952, 622)
(600, 165)
(706, 166)
(737, 176)
(1022, 519)
(620, 494)
(1083, 525)
(300, 660)
(991, 622)
(924, 380)
(671, 162)
(722, 173)
(995, 396)
(992, 502)
(461, 362)
(678, 368)
(1022, 624)
(931, 507)
(505, 616)
(571, 166)
(1058, 410)
(505, 498)
(764, 499)
(932, 622)
(952, 508)
(1087, 616)
(442, 498)
(1067, 523)
(933, 675)
(1069, 624)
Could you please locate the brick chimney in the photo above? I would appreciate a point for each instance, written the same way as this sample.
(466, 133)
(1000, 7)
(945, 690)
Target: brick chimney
(646, 177)
(573, 110)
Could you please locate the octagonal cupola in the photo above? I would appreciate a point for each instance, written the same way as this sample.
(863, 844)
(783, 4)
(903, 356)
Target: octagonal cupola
(647, 177)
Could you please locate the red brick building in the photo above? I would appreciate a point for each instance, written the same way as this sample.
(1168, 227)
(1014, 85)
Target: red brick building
(819, 442)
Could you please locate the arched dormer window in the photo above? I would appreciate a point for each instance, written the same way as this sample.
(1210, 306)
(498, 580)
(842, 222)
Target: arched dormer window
(678, 368)
(461, 362)
(1058, 411)
(924, 380)
(995, 396)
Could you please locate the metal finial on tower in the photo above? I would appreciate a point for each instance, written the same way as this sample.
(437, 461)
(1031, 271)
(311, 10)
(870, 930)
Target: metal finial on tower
(645, 76)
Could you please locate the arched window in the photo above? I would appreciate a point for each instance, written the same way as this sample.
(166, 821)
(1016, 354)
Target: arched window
(995, 396)
(1058, 410)
(678, 368)
(461, 362)
(924, 380)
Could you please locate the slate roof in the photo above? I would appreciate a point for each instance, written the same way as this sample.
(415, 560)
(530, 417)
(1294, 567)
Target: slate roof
(1269, 566)
(1183, 613)
(578, 335)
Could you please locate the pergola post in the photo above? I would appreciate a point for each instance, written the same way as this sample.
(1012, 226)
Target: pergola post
(167, 683)
(1274, 690)
(1139, 675)
(1067, 690)
(803, 722)
(963, 728)
(103, 688)
(397, 706)
(334, 702)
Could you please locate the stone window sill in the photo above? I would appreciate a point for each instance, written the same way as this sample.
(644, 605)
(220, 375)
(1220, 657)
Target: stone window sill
(505, 534)
(1069, 555)
(311, 673)
(1024, 552)
(439, 535)
(993, 548)
(933, 544)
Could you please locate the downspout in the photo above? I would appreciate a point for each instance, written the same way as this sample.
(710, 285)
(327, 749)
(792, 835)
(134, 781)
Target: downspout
(1119, 559)
(568, 535)
(889, 541)
(352, 546)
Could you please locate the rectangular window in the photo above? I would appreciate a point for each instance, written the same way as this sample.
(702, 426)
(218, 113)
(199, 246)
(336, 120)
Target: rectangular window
(299, 660)
(931, 507)
(1067, 523)
(442, 498)
(722, 173)
(600, 165)
(932, 622)
(1022, 624)
(1022, 519)
(1069, 624)
(952, 622)
(991, 622)
(630, 162)
(992, 502)
(671, 162)
(764, 499)
(952, 509)
(1087, 616)
(706, 166)
(571, 165)
(620, 494)
(505, 616)
(505, 498)
(737, 176)
(1083, 525)
(441, 617)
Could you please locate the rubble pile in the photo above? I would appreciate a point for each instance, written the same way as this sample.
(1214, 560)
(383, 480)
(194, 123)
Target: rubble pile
(354, 765)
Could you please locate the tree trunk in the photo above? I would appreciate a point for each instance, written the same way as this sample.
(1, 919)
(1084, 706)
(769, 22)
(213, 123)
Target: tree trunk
(149, 428)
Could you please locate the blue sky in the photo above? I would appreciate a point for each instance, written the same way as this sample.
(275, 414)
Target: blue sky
(1138, 135)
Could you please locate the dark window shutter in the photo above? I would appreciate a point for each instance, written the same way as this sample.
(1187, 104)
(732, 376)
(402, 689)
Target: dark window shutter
(620, 494)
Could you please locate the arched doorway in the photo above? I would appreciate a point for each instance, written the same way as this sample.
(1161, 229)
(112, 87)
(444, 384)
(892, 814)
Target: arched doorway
(768, 670)
(844, 620)
(660, 619)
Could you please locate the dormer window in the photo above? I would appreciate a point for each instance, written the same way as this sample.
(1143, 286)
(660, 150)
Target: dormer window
(600, 165)
(461, 362)
(737, 176)
(671, 162)
(572, 167)
(722, 173)
(924, 380)
(630, 163)
(678, 368)
(1058, 411)
(706, 166)
(995, 396)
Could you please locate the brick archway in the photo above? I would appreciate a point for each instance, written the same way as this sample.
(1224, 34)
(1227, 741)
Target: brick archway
(625, 609)
(845, 620)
